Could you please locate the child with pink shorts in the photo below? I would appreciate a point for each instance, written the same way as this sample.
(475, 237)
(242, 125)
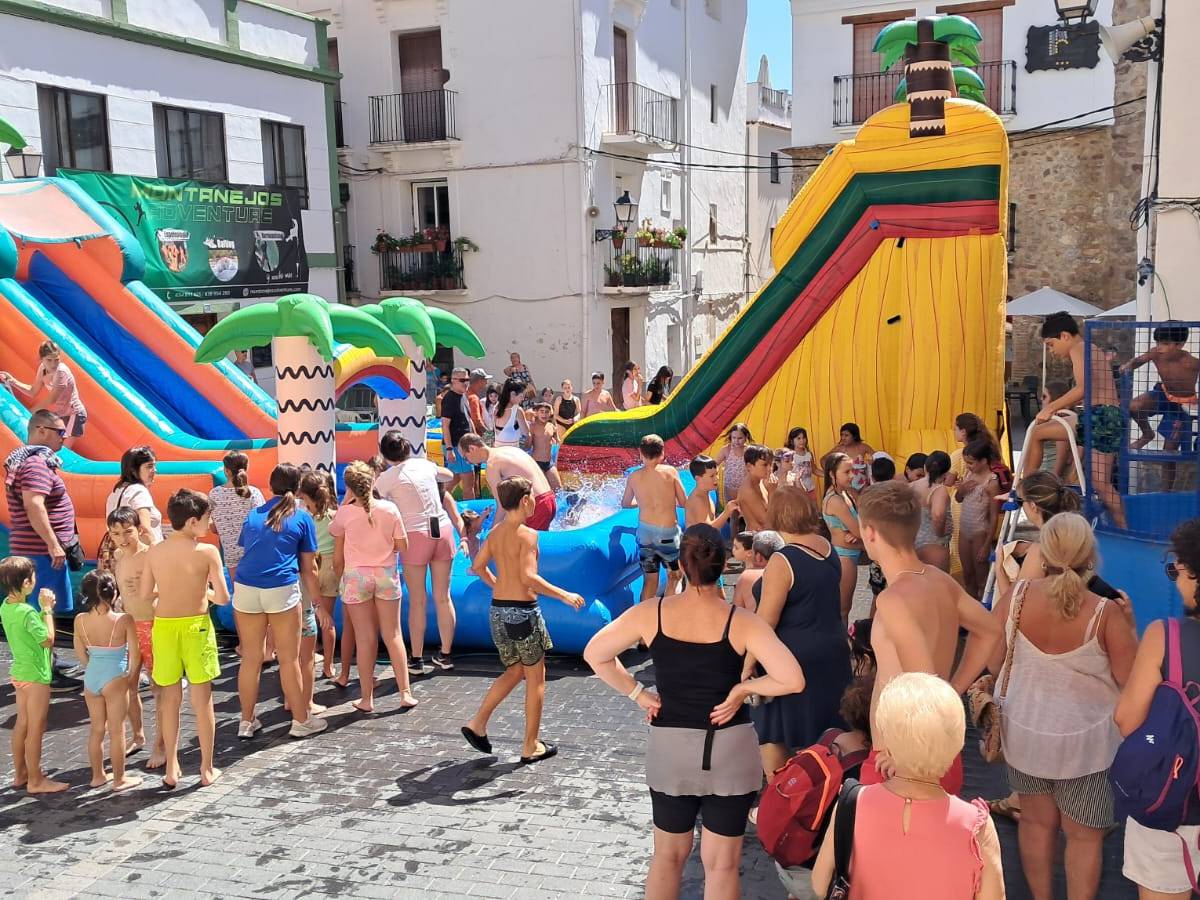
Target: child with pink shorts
(367, 534)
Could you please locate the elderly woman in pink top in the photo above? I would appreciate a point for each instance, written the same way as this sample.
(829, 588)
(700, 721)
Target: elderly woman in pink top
(367, 534)
(1068, 653)
(912, 840)
(56, 379)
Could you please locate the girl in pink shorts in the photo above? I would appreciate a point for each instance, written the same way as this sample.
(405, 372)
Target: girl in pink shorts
(367, 534)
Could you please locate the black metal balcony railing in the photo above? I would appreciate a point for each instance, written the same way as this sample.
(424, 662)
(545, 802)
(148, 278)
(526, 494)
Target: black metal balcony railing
(338, 119)
(858, 97)
(421, 270)
(631, 264)
(636, 109)
(413, 118)
(349, 274)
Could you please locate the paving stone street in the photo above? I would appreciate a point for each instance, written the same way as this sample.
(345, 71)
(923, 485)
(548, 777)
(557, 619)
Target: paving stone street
(395, 805)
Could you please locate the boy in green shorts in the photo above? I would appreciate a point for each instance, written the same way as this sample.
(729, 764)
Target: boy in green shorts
(186, 575)
(30, 635)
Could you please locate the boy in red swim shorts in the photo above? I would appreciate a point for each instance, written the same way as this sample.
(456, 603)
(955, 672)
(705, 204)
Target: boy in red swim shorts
(512, 462)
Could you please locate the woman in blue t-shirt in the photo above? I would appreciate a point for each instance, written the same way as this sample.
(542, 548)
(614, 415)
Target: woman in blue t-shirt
(279, 540)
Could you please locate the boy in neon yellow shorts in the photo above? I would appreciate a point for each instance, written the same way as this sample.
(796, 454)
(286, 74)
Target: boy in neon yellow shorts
(187, 576)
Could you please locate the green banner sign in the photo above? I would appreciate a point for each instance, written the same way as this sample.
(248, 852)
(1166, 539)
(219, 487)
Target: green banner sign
(207, 241)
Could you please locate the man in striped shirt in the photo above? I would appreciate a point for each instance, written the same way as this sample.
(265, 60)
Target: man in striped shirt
(42, 515)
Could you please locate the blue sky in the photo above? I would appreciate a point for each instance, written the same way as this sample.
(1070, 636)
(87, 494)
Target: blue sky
(769, 31)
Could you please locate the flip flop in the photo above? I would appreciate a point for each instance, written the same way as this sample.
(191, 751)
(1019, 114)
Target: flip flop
(548, 750)
(479, 741)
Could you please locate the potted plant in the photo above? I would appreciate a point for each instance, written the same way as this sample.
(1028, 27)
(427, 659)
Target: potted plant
(645, 235)
(438, 238)
(466, 245)
(631, 270)
(385, 243)
(612, 276)
(618, 237)
(680, 232)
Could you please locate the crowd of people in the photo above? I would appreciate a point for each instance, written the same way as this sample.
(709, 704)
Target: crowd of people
(741, 685)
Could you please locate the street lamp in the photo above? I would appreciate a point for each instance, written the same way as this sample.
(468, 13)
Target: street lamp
(23, 162)
(625, 209)
(1076, 10)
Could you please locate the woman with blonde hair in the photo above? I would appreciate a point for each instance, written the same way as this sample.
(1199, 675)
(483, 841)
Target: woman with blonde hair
(912, 840)
(1059, 741)
(368, 533)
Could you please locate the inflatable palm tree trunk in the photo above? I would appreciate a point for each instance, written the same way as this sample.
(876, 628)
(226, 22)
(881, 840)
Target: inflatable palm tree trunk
(304, 391)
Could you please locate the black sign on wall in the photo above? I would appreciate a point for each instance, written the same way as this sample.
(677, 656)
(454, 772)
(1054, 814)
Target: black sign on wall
(1062, 47)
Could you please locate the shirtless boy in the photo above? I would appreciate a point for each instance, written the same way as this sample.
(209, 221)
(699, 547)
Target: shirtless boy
(597, 400)
(1173, 395)
(764, 545)
(657, 492)
(186, 575)
(517, 624)
(1108, 426)
(544, 435)
(512, 462)
(755, 492)
(128, 562)
(919, 613)
(700, 508)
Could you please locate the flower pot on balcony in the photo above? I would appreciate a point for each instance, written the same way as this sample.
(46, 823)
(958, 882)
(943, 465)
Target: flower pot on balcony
(644, 242)
(618, 240)
(422, 248)
(441, 244)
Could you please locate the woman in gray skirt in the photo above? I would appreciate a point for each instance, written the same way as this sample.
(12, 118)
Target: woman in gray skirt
(702, 754)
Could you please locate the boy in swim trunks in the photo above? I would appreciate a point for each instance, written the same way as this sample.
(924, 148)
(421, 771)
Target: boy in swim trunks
(544, 435)
(657, 492)
(128, 562)
(517, 624)
(755, 493)
(1173, 396)
(512, 462)
(187, 576)
(30, 635)
(700, 509)
(1104, 415)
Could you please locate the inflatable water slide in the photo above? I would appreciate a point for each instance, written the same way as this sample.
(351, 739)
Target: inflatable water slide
(886, 309)
(69, 273)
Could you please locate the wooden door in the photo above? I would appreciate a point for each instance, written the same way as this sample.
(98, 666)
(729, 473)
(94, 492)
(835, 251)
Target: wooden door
(620, 349)
(873, 89)
(422, 103)
(990, 23)
(622, 89)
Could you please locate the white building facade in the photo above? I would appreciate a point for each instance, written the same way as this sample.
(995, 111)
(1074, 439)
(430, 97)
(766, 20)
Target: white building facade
(769, 177)
(514, 127)
(251, 77)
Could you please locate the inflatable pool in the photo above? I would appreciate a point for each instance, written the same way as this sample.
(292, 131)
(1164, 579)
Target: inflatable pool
(591, 549)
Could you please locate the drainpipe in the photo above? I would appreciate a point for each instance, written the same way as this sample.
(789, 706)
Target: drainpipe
(587, 244)
(1145, 248)
(685, 185)
(746, 245)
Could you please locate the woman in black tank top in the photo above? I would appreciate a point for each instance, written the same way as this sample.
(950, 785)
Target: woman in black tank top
(566, 409)
(701, 756)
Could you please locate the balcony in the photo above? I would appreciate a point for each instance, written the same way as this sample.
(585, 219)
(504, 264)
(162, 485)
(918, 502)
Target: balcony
(418, 117)
(639, 114)
(858, 97)
(637, 264)
(777, 100)
(422, 268)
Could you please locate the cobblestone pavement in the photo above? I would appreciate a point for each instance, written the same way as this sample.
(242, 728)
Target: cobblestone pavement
(394, 805)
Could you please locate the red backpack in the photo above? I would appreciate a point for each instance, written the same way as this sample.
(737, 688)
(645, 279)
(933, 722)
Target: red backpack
(793, 811)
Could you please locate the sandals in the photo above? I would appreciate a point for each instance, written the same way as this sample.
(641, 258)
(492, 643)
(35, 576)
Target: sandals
(1008, 807)
(548, 750)
(479, 741)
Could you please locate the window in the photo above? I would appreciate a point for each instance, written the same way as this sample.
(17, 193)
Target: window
(712, 103)
(431, 205)
(283, 157)
(712, 223)
(665, 204)
(189, 143)
(74, 129)
(774, 168)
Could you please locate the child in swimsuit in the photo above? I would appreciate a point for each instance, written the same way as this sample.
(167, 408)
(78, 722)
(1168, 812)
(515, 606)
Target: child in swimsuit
(29, 632)
(543, 436)
(841, 515)
(977, 525)
(105, 675)
(733, 457)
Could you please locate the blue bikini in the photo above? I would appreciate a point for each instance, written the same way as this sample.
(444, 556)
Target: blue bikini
(105, 664)
(835, 523)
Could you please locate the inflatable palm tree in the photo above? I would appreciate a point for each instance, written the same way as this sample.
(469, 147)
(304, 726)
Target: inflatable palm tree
(303, 330)
(930, 46)
(420, 329)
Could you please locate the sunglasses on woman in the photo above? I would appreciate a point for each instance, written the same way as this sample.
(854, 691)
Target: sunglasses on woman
(1172, 570)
